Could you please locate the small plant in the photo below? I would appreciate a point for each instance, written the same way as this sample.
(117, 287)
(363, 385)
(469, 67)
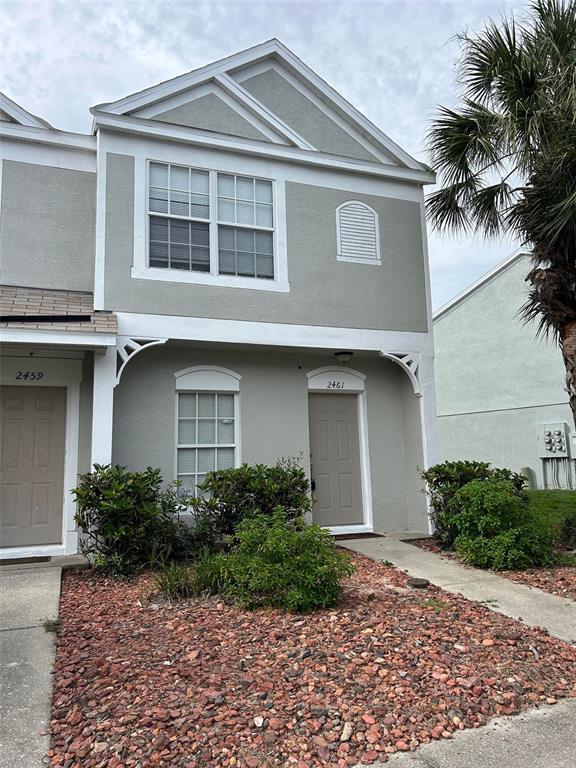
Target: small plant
(278, 563)
(228, 496)
(52, 625)
(128, 521)
(567, 537)
(433, 602)
(443, 481)
(175, 581)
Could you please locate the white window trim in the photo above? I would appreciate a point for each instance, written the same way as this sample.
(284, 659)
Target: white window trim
(141, 270)
(215, 380)
(357, 259)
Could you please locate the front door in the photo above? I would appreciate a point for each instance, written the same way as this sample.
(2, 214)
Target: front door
(33, 424)
(335, 459)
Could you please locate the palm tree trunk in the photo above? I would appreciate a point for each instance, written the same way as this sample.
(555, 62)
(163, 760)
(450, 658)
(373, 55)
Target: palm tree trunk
(568, 346)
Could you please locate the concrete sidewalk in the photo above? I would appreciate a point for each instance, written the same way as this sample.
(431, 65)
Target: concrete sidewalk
(540, 738)
(28, 598)
(531, 606)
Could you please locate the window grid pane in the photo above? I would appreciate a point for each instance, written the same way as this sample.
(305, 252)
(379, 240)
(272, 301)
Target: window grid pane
(245, 252)
(206, 436)
(183, 243)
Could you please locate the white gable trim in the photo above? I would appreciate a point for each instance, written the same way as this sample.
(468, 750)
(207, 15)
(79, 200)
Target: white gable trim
(262, 111)
(216, 89)
(271, 48)
(494, 272)
(210, 139)
(20, 115)
(50, 136)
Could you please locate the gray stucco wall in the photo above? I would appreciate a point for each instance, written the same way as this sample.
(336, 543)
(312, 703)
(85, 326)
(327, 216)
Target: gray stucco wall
(47, 227)
(274, 419)
(323, 291)
(303, 116)
(495, 382)
(210, 113)
(505, 438)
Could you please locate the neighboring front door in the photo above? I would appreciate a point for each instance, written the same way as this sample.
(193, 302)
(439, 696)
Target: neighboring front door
(33, 425)
(335, 459)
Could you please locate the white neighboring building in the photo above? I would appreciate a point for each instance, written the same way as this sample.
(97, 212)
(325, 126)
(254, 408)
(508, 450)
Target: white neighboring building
(499, 389)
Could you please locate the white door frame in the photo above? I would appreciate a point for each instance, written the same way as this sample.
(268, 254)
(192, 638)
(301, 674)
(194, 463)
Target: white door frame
(56, 373)
(336, 380)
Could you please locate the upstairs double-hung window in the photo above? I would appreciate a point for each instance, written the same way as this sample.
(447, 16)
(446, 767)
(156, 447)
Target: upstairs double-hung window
(216, 223)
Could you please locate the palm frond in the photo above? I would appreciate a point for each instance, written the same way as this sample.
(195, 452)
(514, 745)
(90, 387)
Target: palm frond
(447, 209)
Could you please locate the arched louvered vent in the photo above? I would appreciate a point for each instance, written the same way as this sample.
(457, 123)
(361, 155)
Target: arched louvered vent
(357, 233)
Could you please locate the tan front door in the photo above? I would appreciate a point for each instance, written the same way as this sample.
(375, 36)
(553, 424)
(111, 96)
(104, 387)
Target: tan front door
(33, 423)
(335, 459)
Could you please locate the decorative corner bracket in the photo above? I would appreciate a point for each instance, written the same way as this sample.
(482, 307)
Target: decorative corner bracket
(127, 348)
(410, 363)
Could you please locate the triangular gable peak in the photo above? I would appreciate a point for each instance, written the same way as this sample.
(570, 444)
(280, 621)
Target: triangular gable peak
(265, 93)
(13, 113)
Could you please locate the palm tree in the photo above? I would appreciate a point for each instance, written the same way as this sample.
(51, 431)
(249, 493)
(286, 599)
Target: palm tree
(507, 156)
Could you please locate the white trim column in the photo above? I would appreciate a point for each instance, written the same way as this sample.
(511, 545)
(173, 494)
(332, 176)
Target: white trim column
(103, 406)
(428, 420)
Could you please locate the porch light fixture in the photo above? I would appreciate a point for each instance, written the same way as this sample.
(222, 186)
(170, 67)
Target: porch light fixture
(344, 356)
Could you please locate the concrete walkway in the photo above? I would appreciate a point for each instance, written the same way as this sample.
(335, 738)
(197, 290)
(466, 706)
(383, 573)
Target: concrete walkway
(529, 605)
(28, 598)
(540, 738)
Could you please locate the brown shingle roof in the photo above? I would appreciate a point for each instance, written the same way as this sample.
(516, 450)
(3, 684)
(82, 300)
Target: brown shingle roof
(18, 301)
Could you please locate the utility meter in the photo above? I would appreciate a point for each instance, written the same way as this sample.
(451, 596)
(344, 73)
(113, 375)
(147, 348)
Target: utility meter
(553, 441)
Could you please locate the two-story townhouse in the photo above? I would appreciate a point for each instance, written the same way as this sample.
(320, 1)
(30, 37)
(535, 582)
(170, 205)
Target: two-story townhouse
(231, 268)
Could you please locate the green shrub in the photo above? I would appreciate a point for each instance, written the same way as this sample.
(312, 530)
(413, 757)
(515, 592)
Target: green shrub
(567, 537)
(128, 521)
(175, 581)
(279, 563)
(443, 481)
(487, 508)
(227, 496)
(527, 546)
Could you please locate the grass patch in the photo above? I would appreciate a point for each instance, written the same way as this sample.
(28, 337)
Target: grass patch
(52, 625)
(552, 507)
(433, 602)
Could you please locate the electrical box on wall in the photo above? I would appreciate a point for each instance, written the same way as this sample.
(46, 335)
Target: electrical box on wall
(553, 441)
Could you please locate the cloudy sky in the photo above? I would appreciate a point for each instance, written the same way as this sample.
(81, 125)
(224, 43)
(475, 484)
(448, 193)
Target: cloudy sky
(394, 60)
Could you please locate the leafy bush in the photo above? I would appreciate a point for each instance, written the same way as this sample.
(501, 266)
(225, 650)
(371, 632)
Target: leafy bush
(487, 508)
(443, 481)
(567, 536)
(526, 546)
(175, 581)
(227, 496)
(128, 521)
(495, 528)
(279, 563)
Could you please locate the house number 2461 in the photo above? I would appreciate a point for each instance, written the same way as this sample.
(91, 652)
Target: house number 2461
(335, 385)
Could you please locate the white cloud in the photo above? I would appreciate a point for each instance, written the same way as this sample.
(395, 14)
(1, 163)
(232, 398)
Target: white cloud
(393, 60)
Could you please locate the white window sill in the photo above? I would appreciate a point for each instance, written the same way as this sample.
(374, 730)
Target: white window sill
(201, 278)
(354, 260)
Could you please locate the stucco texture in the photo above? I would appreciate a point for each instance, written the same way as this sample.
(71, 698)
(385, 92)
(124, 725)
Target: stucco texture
(47, 227)
(496, 383)
(274, 419)
(303, 116)
(323, 291)
(210, 113)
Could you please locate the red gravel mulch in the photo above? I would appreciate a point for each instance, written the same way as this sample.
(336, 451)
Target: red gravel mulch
(560, 580)
(205, 684)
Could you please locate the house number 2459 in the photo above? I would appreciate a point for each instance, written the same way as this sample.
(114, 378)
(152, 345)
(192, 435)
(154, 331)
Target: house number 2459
(31, 375)
(335, 385)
